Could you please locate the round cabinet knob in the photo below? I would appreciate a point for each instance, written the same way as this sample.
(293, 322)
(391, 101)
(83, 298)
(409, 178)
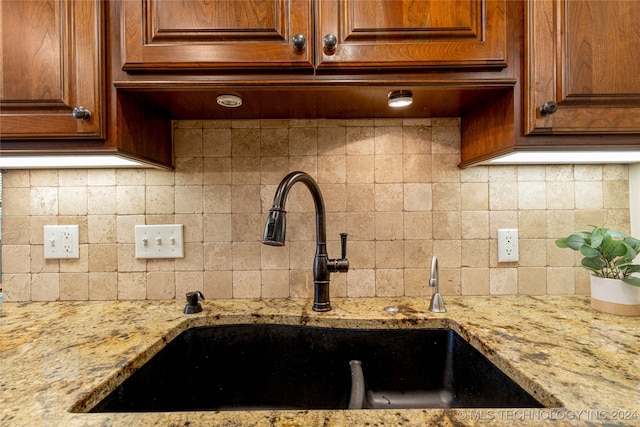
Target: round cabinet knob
(299, 42)
(548, 108)
(330, 42)
(81, 113)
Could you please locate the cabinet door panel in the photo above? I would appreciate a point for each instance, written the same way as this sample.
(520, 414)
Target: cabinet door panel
(584, 56)
(215, 34)
(413, 33)
(50, 53)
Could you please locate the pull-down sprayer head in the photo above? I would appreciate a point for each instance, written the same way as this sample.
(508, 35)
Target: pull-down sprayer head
(275, 229)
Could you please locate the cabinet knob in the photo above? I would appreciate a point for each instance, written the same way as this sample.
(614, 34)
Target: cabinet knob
(81, 113)
(548, 108)
(299, 42)
(330, 42)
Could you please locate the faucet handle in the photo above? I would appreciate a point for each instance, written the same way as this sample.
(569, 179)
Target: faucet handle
(193, 302)
(340, 265)
(343, 238)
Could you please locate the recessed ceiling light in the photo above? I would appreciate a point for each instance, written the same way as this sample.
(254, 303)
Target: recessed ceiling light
(400, 98)
(229, 101)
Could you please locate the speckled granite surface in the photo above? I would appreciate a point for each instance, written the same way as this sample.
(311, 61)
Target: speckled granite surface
(55, 355)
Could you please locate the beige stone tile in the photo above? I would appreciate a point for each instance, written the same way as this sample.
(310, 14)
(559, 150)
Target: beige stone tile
(475, 253)
(530, 173)
(416, 168)
(272, 171)
(332, 141)
(587, 172)
(332, 169)
(360, 197)
(247, 284)
(589, 195)
(303, 141)
(447, 225)
(130, 200)
(503, 195)
(188, 142)
(41, 265)
(417, 197)
(478, 174)
(475, 224)
(189, 171)
(387, 139)
(560, 195)
(188, 281)
(102, 229)
(131, 177)
(15, 230)
(216, 170)
(532, 195)
(449, 281)
(102, 257)
(558, 257)
(217, 227)
(389, 226)
(475, 281)
(417, 254)
(160, 177)
(613, 172)
(101, 200)
(559, 172)
(19, 204)
(389, 254)
(444, 168)
(274, 141)
(361, 283)
(216, 142)
(274, 258)
(416, 138)
(561, 281)
(161, 285)
(103, 286)
(163, 264)
(308, 164)
(160, 199)
(301, 255)
(532, 280)
(192, 227)
(16, 178)
(275, 284)
(361, 254)
(474, 196)
(389, 197)
(77, 265)
(301, 227)
(532, 224)
(218, 284)
(17, 287)
(45, 287)
(360, 169)
(193, 258)
(245, 199)
(74, 287)
(104, 177)
(503, 173)
(583, 281)
(246, 256)
(218, 256)
(189, 199)
(16, 259)
(43, 177)
(335, 198)
(445, 136)
(448, 252)
(245, 170)
(301, 284)
(43, 201)
(418, 225)
(361, 225)
(561, 223)
(246, 227)
(36, 227)
(416, 283)
(125, 227)
(503, 281)
(617, 219)
(360, 140)
(127, 261)
(615, 194)
(446, 196)
(585, 218)
(217, 199)
(389, 282)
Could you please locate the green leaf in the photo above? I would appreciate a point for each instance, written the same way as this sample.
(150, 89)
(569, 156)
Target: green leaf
(634, 243)
(635, 281)
(616, 234)
(595, 263)
(575, 242)
(630, 253)
(589, 252)
(562, 243)
(613, 248)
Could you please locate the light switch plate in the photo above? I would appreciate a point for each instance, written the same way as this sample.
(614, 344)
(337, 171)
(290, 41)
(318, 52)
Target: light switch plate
(61, 242)
(159, 241)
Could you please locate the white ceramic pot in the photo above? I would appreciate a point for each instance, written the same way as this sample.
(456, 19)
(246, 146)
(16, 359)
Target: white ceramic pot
(615, 297)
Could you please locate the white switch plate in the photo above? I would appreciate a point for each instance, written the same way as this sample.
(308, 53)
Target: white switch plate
(159, 241)
(508, 245)
(61, 242)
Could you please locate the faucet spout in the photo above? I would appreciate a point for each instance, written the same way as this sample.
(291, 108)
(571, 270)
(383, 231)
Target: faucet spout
(275, 232)
(437, 303)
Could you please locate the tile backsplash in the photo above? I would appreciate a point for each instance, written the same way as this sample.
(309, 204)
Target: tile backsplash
(392, 184)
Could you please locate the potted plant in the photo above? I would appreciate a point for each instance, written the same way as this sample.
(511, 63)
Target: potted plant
(609, 255)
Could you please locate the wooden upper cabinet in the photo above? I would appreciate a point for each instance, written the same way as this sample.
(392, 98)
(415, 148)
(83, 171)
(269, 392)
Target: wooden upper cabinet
(51, 63)
(259, 34)
(413, 33)
(584, 56)
(216, 34)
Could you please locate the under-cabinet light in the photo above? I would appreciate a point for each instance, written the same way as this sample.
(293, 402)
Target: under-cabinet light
(400, 98)
(68, 161)
(566, 157)
(229, 101)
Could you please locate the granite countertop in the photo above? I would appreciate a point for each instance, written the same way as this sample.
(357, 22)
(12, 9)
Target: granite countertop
(583, 365)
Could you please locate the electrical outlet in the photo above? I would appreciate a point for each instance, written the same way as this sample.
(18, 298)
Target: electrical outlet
(61, 242)
(508, 245)
(159, 241)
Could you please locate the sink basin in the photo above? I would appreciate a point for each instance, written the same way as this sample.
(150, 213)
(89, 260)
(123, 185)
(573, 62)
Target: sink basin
(254, 367)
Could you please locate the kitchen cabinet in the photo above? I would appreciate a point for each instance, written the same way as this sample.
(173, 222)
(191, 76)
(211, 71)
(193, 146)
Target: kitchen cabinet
(215, 35)
(582, 60)
(52, 62)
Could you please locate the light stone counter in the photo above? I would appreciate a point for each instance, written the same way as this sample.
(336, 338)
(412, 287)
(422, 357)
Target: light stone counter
(55, 355)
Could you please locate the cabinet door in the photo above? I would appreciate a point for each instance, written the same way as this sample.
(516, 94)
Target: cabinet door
(584, 55)
(50, 52)
(216, 34)
(413, 33)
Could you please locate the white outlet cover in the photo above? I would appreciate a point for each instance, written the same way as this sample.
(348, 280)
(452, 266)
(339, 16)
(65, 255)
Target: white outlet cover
(61, 241)
(508, 245)
(159, 241)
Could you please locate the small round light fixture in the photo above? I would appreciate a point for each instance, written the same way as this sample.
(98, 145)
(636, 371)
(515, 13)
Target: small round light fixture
(400, 98)
(229, 101)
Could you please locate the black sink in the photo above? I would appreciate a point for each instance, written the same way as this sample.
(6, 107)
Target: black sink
(253, 367)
